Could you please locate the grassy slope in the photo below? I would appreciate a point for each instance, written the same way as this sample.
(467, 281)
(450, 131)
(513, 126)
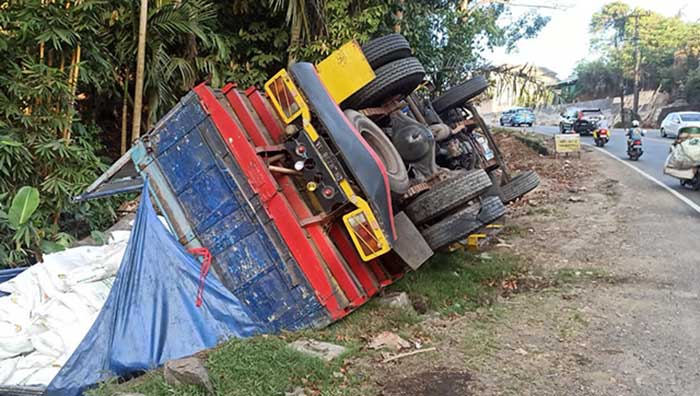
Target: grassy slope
(449, 284)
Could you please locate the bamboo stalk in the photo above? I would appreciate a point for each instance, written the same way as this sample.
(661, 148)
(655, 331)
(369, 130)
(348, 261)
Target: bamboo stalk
(73, 85)
(125, 116)
(140, 65)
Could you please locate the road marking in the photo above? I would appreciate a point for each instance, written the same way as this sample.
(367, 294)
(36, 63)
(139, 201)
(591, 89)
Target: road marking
(678, 195)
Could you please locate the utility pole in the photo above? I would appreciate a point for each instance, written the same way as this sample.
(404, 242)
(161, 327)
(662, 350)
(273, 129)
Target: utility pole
(637, 65)
(619, 37)
(140, 64)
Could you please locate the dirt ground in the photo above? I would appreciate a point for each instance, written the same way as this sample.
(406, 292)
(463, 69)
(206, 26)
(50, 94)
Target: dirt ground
(623, 315)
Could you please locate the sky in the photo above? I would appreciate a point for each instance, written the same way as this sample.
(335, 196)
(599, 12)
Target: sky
(566, 40)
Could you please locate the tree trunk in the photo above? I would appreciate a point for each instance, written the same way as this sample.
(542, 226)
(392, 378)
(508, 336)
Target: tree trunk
(637, 68)
(140, 65)
(622, 101)
(398, 15)
(294, 40)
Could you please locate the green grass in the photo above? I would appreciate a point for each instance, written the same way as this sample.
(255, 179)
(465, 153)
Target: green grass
(458, 282)
(260, 366)
(573, 275)
(448, 283)
(515, 230)
(479, 341)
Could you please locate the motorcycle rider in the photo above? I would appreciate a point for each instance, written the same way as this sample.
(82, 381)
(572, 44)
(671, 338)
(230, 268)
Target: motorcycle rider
(634, 133)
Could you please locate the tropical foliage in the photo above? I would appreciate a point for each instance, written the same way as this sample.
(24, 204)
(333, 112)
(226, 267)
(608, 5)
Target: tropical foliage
(67, 71)
(669, 47)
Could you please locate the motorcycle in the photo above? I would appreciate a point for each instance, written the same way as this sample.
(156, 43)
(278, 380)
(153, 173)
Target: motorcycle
(634, 149)
(601, 136)
(688, 175)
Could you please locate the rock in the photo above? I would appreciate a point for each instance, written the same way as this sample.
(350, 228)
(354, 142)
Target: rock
(396, 300)
(576, 198)
(187, 371)
(319, 349)
(388, 340)
(420, 304)
(521, 351)
(298, 391)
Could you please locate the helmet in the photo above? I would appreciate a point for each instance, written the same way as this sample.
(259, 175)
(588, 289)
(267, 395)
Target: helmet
(635, 123)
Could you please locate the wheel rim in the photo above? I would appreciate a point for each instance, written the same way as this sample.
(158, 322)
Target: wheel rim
(390, 163)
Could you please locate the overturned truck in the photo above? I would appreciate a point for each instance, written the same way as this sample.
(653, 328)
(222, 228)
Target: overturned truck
(311, 196)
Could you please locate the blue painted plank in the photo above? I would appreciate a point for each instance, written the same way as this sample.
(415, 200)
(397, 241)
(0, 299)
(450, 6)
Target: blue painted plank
(204, 187)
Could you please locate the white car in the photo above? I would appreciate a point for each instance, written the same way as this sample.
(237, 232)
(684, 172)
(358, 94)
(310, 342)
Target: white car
(674, 121)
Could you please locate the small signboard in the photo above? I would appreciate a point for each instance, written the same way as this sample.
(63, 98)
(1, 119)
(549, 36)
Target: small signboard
(567, 143)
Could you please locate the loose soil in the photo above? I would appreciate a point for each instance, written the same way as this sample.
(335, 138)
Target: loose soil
(609, 317)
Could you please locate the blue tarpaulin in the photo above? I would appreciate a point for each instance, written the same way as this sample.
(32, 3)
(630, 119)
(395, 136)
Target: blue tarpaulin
(7, 274)
(150, 315)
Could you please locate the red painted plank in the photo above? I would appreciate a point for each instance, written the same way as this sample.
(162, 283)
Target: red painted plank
(358, 267)
(265, 114)
(236, 101)
(331, 256)
(274, 203)
(379, 273)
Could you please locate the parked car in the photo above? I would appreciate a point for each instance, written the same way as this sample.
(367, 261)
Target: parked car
(675, 121)
(582, 121)
(518, 117)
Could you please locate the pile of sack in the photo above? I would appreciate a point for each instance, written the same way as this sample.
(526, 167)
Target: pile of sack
(50, 308)
(685, 155)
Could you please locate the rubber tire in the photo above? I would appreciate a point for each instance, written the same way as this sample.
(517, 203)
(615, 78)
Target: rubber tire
(492, 208)
(460, 94)
(520, 185)
(461, 187)
(663, 133)
(385, 150)
(385, 49)
(464, 222)
(399, 77)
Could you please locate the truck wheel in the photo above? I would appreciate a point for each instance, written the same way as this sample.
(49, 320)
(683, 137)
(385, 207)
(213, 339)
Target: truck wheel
(461, 187)
(492, 208)
(520, 185)
(464, 222)
(460, 94)
(399, 77)
(385, 150)
(385, 49)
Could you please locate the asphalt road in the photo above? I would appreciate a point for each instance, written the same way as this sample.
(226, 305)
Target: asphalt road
(656, 149)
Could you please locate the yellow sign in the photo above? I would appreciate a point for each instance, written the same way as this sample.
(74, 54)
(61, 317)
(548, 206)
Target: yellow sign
(345, 71)
(567, 143)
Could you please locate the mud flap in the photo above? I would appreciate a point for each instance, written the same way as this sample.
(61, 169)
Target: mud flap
(410, 246)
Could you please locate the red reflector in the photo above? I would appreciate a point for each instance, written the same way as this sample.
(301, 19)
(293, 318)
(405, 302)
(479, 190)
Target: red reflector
(328, 192)
(301, 149)
(580, 115)
(603, 132)
(637, 142)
